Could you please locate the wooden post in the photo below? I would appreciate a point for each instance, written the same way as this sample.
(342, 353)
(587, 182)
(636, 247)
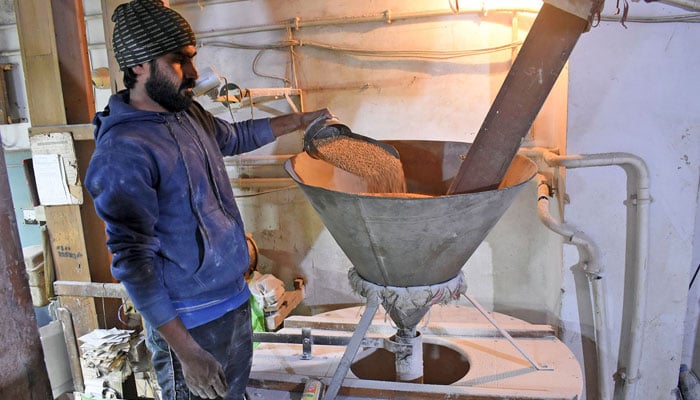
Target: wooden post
(55, 62)
(24, 374)
(543, 55)
(115, 74)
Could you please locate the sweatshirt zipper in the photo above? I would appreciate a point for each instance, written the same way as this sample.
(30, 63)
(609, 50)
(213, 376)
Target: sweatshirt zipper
(210, 173)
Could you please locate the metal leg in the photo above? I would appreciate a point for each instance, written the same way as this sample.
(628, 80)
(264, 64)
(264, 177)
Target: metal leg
(353, 346)
(506, 335)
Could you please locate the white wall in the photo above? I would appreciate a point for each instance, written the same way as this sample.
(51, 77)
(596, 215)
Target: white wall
(635, 90)
(630, 90)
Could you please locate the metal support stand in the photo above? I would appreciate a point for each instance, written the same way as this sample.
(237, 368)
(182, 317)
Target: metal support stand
(353, 346)
(506, 335)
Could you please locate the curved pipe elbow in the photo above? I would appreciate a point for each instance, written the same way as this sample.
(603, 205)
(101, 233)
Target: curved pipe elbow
(632, 164)
(587, 251)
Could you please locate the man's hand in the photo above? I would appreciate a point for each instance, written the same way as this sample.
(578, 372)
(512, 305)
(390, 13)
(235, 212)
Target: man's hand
(203, 374)
(309, 117)
(289, 123)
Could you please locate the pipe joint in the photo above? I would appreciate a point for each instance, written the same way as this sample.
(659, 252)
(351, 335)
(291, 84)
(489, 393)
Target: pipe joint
(387, 17)
(635, 200)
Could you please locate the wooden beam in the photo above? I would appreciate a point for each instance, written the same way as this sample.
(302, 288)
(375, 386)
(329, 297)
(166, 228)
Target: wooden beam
(543, 55)
(80, 109)
(4, 101)
(45, 94)
(37, 41)
(71, 263)
(90, 289)
(115, 74)
(73, 59)
(79, 132)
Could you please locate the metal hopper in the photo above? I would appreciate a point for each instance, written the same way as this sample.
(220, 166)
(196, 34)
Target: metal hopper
(411, 241)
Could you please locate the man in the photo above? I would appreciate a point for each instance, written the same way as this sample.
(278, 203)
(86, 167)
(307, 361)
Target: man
(158, 181)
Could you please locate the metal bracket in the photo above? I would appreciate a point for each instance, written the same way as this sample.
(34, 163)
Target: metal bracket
(507, 335)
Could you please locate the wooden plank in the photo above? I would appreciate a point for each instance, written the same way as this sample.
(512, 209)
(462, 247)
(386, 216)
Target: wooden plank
(543, 55)
(80, 132)
(90, 289)
(4, 100)
(35, 27)
(37, 41)
(284, 306)
(115, 74)
(377, 389)
(60, 48)
(99, 257)
(71, 262)
(73, 59)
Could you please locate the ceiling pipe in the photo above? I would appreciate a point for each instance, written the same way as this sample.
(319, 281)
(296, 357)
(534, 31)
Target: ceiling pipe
(691, 5)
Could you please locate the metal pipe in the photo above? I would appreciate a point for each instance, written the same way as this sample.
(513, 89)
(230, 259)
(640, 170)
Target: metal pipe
(408, 358)
(505, 334)
(297, 23)
(693, 5)
(588, 258)
(638, 200)
(345, 361)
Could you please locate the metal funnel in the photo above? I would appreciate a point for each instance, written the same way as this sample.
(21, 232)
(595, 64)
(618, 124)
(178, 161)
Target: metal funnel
(401, 242)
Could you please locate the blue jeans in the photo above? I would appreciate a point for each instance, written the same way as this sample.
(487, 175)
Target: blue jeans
(229, 339)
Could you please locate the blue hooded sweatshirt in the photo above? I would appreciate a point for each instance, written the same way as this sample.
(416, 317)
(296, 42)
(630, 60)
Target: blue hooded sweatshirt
(159, 182)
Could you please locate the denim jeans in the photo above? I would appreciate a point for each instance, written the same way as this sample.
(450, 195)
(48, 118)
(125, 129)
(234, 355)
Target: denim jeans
(229, 339)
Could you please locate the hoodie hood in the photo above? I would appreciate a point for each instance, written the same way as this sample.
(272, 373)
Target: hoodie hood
(119, 111)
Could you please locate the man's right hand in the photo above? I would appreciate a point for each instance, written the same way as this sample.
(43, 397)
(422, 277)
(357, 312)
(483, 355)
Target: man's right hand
(203, 374)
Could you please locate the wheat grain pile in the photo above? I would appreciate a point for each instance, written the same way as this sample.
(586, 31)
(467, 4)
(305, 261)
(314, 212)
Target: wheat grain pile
(381, 170)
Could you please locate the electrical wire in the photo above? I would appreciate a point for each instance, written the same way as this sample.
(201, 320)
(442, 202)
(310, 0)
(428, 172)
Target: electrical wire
(690, 17)
(228, 104)
(286, 81)
(239, 196)
(425, 54)
(421, 54)
(694, 276)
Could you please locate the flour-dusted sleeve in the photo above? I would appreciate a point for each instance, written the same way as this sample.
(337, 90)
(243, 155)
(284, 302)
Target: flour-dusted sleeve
(122, 179)
(233, 138)
(242, 137)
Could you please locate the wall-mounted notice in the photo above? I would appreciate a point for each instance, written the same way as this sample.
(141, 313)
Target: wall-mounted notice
(56, 169)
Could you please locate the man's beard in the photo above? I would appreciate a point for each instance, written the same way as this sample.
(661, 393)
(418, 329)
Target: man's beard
(163, 91)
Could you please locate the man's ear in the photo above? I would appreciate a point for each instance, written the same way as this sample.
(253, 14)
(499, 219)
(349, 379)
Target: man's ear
(140, 69)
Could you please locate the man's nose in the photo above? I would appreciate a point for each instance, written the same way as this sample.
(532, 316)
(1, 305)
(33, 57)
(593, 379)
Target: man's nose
(191, 72)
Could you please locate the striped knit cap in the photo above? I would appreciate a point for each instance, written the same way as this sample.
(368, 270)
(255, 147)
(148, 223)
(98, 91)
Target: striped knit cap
(147, 29)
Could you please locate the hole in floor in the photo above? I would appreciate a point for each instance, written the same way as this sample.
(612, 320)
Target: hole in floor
(442, 365)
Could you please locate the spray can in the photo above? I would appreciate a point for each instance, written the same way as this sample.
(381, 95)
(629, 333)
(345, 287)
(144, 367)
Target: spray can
(313, 390)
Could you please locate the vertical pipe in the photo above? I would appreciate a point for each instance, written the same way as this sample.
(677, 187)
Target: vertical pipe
(409, 358)
(638, 201)
(24, 373)
(588, 257)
